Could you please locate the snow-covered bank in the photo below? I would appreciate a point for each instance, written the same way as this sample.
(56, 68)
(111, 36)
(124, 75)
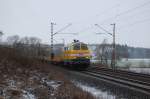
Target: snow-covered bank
(98, 93)
(129, 62)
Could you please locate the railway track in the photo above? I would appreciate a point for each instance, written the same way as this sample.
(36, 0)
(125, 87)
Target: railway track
(135, 81)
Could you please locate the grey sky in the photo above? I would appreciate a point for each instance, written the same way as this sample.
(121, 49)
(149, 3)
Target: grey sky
(32, 18)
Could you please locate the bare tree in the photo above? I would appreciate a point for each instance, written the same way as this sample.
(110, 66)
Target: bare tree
(31, 46)
(13, 40)
(34, 40)
(24, 40)
(1, 34)
(102, 52)
(35, 45)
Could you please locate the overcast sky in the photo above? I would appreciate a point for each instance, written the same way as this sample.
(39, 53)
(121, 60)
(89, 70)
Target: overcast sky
(33, 17)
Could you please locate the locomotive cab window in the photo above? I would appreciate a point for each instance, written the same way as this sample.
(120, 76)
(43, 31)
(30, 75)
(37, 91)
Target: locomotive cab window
(76, 46)
(84, 47)
(65, 48)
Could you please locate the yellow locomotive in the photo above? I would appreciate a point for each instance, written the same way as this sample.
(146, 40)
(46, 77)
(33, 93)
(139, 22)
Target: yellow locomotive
(76, 55)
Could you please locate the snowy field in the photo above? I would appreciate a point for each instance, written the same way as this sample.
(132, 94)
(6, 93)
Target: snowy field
(136, 65)
(98, 93)
(130, 62)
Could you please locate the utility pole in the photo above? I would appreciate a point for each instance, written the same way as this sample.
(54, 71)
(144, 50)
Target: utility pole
(52, 53)
(54, 33)
(1, 34)
(63, 41)
(113, 62)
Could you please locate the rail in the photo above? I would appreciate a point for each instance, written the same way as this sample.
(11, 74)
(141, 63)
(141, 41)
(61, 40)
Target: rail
(135, 81)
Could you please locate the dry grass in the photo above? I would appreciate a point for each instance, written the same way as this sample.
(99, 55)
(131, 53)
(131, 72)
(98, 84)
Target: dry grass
(27, 72)
(72, 92)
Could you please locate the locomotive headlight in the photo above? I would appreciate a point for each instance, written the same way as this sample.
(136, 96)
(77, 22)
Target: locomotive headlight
(87, 57)
(74, 57)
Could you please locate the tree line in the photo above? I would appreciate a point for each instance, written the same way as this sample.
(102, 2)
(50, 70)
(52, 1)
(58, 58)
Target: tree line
(30, 47)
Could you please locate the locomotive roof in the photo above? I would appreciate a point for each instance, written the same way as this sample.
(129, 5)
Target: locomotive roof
(74, 43)
(77, 43)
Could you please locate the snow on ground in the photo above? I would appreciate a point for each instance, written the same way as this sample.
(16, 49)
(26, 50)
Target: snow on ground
(134, 62)
(98, 93)
(28, 95)
(130, 62)
(140, 70)
(135, 65)
(15, 90)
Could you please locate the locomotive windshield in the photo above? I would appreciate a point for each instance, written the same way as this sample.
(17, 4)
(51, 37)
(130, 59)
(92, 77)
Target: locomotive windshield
(79, 46)
(84, 47)
(76, 46)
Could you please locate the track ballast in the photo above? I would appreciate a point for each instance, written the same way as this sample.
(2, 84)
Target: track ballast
(135, 81)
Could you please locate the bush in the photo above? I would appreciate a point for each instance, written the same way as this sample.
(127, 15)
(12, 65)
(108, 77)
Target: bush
(142, 64)
(149, 64)
(128, 65)
(21, 67)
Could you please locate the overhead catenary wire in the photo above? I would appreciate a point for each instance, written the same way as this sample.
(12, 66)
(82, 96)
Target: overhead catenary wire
(97, 15)
(90, 18)
(126, 12)
(63, 28)
(121, 13)
(135, 15)
(118, 15)
(85, 29)
(133, 9)
(135, 23)
(102, 28)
